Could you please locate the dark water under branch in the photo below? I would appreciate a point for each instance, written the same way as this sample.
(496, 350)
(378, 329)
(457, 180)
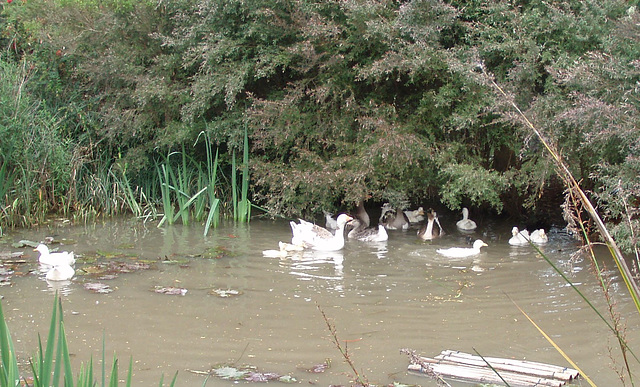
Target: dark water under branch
(380, 297)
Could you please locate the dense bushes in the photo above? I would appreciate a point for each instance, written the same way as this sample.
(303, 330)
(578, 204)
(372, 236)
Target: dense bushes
(343, 100)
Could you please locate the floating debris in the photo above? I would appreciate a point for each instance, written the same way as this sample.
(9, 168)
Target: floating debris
(108, 277)
(110, 254)
(318, 368)
(247, 373)
(25, 243)
(98, 287)
(171, 290)
(218, 252)
(110, 269)
(5, 275)
(225, 293)
(128, 267)
(5, 255)
(182, 262)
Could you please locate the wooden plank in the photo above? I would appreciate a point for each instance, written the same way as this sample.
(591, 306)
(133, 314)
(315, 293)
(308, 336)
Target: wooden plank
(460, 365)
(486, 375)
(523, 366)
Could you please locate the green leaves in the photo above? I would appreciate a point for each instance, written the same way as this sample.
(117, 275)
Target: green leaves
(479, 186)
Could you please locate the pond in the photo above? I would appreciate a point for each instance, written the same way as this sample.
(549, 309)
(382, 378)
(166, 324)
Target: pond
(242, 308)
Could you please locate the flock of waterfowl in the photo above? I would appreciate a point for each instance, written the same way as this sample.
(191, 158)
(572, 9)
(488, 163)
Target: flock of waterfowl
(307, 235)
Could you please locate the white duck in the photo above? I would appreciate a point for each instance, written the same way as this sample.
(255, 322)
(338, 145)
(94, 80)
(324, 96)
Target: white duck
(53, 259)
(60, 272)
(519, 238)
(465, 223)
(461, 252)
(428, 231)
(539, 236)
(415, 216)
(366, 234)
(315, 237)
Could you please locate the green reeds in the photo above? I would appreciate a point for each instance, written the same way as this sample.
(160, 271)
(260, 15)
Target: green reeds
(211, 178)
(9, 374)
(183, 184)
(49, 370)
(241, 208)
(176, 185)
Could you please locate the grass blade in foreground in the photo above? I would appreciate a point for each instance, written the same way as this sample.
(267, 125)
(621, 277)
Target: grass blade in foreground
(560, 351)
(9, 375)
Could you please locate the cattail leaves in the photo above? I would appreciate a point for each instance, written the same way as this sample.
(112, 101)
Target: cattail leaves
(191, 191)
(55, 371)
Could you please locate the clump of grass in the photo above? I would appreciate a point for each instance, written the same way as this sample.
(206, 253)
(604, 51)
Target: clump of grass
(52, 364)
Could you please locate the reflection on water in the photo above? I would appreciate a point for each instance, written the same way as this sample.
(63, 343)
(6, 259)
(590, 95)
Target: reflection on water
(380, 296)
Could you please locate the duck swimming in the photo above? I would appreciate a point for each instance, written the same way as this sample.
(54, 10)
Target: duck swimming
(539, 236)
(53, 259)
(429, 230)
(315, 237)
(465, 223)
(460, 252)
(519, 238)
(60, 272)
(415, 216)
(366, 234)
(393, 219)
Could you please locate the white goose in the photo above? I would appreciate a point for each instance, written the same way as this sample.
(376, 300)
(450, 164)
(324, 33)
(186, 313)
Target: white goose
(465, 223)
(428, 231)
(60, 272)
(415, 216)
(315, 237)
(539, 236)
(366, 234)
(53, 259)
(519, 238)
(461, 252)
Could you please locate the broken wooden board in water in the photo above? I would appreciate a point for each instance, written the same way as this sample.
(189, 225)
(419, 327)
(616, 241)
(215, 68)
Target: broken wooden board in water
(468, 367)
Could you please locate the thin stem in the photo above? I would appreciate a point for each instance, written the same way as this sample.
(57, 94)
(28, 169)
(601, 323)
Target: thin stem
(343, 351)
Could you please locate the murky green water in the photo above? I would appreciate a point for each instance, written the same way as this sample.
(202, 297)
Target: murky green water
(380, 297)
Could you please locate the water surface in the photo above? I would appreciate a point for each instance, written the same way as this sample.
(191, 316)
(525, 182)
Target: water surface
(380, 298)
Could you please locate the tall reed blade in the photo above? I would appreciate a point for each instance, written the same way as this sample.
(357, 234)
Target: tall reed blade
(242, 208)
(9, 375)
(234, 186)
(245, 206)
(212, 175)
(113, 378)
(65, 358)
(165, 190)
